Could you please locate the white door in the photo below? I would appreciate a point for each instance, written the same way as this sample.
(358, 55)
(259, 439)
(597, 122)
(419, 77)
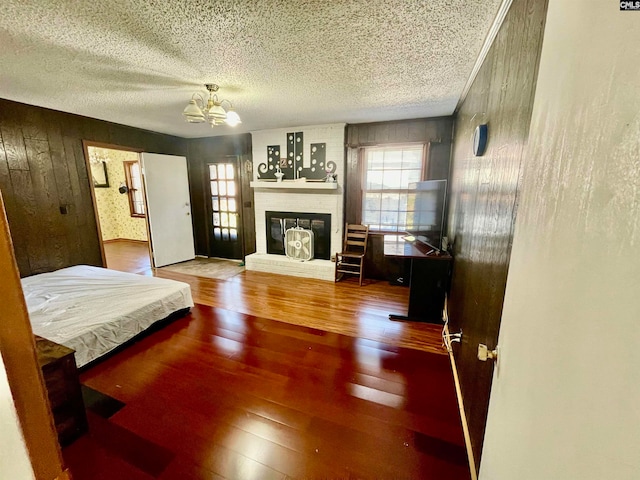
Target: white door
(168, 208)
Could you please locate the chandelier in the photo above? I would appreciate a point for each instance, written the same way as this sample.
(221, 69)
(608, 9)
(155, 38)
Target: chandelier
(211, 111)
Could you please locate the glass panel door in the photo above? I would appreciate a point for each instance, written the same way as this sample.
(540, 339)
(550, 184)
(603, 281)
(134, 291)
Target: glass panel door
(225, 210)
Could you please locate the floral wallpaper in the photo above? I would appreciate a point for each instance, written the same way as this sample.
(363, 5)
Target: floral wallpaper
(113, 207)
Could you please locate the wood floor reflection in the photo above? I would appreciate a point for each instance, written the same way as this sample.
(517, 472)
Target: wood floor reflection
(343, 307)
(221, 394)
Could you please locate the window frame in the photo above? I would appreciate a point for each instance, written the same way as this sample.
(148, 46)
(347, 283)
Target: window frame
(130, 189)
(362, 160)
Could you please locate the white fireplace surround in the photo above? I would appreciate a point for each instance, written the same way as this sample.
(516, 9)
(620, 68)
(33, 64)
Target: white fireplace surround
(300, 200)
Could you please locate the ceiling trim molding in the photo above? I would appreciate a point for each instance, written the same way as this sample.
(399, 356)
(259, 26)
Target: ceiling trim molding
(488, 42)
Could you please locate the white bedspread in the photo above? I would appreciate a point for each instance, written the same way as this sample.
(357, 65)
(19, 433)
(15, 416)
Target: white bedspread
(93, 310)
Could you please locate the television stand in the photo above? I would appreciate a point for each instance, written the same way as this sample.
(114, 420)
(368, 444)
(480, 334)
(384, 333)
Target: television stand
(428, 280)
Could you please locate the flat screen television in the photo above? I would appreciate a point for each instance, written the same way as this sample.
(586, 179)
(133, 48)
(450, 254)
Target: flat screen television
(426, 212)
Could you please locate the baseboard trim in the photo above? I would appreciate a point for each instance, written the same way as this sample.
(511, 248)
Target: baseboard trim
(114, 240)
(463, 416)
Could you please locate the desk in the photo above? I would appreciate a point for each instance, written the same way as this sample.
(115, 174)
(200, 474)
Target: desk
(428, 281)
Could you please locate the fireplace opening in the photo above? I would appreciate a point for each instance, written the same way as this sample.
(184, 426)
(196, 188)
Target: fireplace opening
(279, 222)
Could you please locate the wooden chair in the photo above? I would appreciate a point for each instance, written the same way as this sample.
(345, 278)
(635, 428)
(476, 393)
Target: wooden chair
(351, 260)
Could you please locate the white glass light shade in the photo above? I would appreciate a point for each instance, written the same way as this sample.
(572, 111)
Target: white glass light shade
(193, 113)
(217, 112)
(233, 118)
(214, 122)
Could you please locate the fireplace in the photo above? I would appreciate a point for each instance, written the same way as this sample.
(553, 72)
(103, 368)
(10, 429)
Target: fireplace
(277, 204)
(278, 222)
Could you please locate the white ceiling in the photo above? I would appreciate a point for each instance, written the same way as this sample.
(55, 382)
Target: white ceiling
(280, 62)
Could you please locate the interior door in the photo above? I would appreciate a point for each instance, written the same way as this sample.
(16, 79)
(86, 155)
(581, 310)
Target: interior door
(168, 208)
(224, 208)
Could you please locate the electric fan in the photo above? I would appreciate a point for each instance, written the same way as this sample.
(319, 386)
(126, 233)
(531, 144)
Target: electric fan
(299, 243)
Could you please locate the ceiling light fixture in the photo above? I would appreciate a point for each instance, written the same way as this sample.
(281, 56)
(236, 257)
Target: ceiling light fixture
(211, 111)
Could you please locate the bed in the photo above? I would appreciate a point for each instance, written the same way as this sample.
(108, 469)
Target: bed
(94, 310)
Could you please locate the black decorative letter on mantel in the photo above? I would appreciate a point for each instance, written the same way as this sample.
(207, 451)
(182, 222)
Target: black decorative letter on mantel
(319, 166)
(292, 165)
(295, 146)
(267, 170)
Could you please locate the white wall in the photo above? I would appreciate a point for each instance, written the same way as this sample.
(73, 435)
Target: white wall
(310, 201)
(14, 459)
(565, 402)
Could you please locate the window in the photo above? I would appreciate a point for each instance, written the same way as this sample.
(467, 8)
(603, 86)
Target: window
(388, 171)
(134, 186)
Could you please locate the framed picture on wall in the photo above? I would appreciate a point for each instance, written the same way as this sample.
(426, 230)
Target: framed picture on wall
(99, 175)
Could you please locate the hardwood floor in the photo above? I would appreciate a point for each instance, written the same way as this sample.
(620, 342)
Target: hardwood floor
(342, 307)
(128, 256)
(231, 392)
(227, 395)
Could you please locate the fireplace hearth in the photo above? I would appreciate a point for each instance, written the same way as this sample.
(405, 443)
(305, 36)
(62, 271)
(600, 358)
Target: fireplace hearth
(278, 222)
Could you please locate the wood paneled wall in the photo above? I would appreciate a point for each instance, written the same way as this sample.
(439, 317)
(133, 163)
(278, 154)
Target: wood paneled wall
(202, 151)
(42, 168)
(419, 130)
(436, 133)
(483, 201)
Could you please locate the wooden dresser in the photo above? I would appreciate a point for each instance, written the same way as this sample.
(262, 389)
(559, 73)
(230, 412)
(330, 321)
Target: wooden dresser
(63, 387)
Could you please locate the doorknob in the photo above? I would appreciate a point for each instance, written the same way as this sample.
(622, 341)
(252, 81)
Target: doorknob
(485, 354)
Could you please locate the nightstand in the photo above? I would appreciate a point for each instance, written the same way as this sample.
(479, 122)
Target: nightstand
(61, 379)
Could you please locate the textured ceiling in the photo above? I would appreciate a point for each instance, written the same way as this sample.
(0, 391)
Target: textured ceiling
(281, 62)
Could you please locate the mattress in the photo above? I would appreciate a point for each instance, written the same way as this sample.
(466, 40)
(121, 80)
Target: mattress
(93, 310)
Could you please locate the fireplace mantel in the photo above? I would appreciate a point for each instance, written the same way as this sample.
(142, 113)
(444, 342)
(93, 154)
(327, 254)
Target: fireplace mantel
(294, 185)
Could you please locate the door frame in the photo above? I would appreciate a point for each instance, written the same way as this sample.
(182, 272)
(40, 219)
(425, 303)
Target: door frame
(85, 147)
(18, 351)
